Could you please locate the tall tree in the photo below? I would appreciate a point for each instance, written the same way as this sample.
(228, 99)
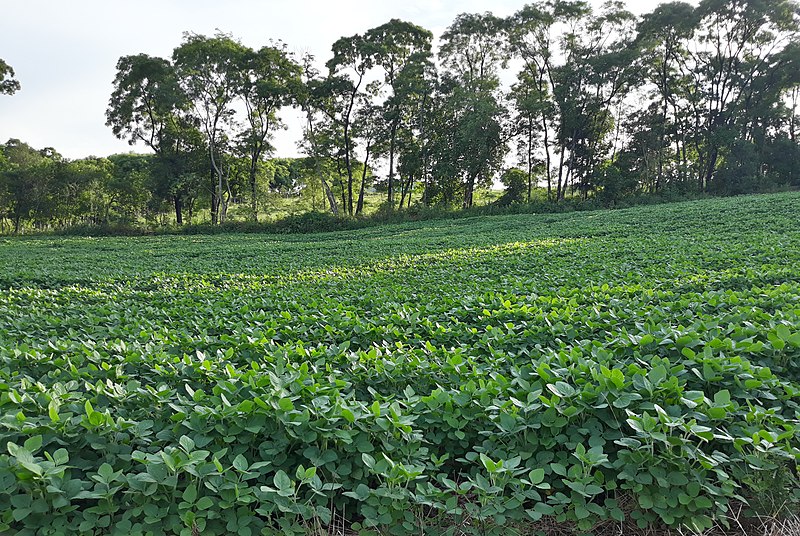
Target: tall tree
(345, 87)
(208, 71)
(402, 50)
(472, 51)
(149, 106)
(660, 45)
(269, 79)
(735, 48)
(316, 143)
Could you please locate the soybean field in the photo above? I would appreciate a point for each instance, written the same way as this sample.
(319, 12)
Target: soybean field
(635, 368)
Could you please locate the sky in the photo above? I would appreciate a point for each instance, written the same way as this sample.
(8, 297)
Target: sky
(65, 52)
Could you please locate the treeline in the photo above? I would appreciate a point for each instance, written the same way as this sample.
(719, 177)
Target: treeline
(40, 188)
(603, 104)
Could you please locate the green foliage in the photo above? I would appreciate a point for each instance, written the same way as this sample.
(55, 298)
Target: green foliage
(636, 365)
(515, 182)
(8, 85)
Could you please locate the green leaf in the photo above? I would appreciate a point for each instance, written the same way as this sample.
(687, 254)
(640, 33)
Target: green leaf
(562, 389)
(240, 463)
(536, 476)
(286, 404)
(204, 503)
(558, 469)
(282, 481)
(187, 443)
(32, 444)
(190, 493)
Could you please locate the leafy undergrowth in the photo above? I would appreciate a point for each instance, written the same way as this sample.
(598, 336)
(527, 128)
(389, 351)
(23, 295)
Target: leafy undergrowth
(491, 375)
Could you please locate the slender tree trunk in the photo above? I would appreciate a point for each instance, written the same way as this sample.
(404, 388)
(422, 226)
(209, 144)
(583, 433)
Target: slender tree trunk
(547, 162)
(712, 165)
(469, 189)
(253, 171)
(793, 120)
(178, 209)
(329, 195)
(360, 206)
(347, 145)
(559, 193)
(341, 184)
(214, 201)
(530, 157)
(392, 142)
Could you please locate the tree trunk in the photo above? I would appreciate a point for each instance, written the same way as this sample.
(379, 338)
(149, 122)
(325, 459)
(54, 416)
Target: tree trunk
(329, 195)
(341, 184)
(178, 211)
(468, 191)
(406, 190)
(709, 174)
(360, 206)
(392, 142)
(559, 193)
(214, 201)
(530, 157)
(253, 200)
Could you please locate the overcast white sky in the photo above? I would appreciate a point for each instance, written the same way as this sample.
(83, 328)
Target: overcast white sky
(65, 52)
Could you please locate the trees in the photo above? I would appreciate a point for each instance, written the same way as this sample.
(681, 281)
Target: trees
(734, 63)
(661, 50)
(149, 106)
(472, 52)
(315, 141)
(342, 94)
(8, 84)
(27, 182)
(208, 70)
(403, 51)
(604, 104)
(269, 78)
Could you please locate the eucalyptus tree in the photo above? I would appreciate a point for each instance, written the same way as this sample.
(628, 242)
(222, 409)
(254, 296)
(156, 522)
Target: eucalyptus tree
(369, 127)
(269, 79)
(345, 89)
(208, 71)
(472, 54)
(315, 142)
(661, 49)
(8, 84)
(402, 50)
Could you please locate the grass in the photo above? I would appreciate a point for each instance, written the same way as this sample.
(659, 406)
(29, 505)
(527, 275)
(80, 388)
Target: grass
(491, 374)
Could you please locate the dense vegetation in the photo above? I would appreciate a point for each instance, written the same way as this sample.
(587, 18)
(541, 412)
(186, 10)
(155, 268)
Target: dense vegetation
(603, 104)
(639, 367)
